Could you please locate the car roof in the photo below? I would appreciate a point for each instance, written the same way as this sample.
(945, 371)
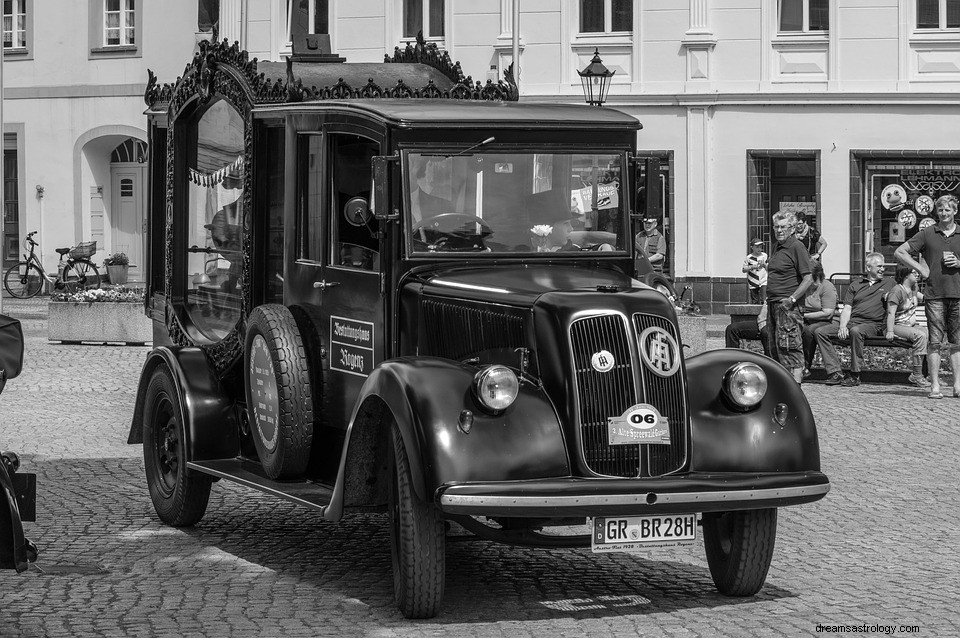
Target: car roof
(447, 113)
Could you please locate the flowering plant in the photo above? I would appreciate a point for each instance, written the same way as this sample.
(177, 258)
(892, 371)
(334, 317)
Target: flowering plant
(540, 233)
(117, 259)
(113, 294)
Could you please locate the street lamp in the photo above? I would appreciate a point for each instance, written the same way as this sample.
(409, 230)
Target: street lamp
(595, 80)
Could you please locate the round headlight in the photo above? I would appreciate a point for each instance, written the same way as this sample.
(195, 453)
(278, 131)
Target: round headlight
(745, 384)
(496, 387)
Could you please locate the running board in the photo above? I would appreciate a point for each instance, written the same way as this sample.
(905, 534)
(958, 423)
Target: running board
(300, 491)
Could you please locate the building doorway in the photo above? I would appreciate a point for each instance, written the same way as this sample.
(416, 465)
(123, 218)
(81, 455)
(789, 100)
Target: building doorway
(128, 203)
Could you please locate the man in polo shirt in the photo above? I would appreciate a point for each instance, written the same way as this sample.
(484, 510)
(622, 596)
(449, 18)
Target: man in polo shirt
(863, 314)
(940, 246)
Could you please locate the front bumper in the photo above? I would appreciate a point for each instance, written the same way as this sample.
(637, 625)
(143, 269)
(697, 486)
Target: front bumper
(675, 494)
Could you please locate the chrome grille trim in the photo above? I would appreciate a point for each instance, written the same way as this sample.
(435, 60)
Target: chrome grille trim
(600, 395)
(670, 398)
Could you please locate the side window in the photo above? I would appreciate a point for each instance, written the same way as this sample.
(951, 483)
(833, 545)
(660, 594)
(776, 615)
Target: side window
(15, 24)
(351, 175)
(423, 15)
(938, 14)
(212, 235)
(309, 218)
(115, 28)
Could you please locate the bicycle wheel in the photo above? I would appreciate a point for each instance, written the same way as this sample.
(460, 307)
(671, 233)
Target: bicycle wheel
(80, 275)
(23, 280)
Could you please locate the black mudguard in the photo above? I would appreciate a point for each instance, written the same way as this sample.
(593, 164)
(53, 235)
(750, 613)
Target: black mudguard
(426, 396)
(724, 439)
(207, 408)
(15, 549)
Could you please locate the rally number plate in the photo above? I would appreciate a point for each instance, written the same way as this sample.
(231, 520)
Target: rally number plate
(636, 533)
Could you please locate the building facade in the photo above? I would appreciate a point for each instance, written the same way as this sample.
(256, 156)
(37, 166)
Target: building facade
(842, 109)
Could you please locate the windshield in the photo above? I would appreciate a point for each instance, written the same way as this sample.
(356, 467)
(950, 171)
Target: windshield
(501, 202)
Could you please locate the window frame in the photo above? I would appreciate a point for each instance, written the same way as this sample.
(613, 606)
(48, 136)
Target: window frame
(126, 35)
(941, 19)
(805, 27)
(14, 17)
(25, 51)
(607, 20)
(98, 31)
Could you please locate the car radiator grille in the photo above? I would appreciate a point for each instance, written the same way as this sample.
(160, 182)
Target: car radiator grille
(604, 394)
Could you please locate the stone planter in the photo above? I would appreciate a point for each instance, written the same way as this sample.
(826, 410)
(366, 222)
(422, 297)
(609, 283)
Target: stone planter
(742, 312)
(118, 274)
(693, 333)
(98, 322)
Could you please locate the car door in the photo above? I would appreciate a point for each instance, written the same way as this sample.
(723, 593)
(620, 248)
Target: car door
(336, 280)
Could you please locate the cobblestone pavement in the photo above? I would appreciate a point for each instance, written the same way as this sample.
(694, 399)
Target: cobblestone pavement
(881, 548)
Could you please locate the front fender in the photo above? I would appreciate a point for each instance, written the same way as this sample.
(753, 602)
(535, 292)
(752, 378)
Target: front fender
(726, 440)
(426, 396)
(206, 408)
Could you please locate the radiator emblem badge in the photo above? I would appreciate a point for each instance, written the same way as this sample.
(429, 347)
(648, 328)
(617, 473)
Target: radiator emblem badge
(660, 352)
(602, 361)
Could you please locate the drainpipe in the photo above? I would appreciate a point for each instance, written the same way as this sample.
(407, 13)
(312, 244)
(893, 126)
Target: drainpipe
(244, 6)
(516, 43)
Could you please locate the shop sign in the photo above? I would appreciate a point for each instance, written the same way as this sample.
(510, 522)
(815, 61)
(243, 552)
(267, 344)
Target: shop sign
(936, 179)
(807, 208)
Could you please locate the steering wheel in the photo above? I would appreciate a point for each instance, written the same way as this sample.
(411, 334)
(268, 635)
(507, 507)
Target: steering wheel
(435, 223)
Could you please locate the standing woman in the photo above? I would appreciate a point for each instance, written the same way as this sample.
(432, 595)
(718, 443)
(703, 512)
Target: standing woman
(788, 277)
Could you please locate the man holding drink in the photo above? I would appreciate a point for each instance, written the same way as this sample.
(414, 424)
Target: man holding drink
(939, 245)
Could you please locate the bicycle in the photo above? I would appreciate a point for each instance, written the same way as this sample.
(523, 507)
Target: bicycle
(75, 271)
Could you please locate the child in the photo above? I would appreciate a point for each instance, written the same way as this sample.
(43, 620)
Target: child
(755, 265)
(902, 303)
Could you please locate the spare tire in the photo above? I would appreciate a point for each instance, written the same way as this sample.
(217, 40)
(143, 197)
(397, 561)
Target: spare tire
(279, 397)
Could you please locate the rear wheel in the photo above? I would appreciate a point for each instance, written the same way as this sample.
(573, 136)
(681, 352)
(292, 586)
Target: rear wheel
(417, 542)
(179, 495)
(739, 548)
(23, 280)
(80, 275)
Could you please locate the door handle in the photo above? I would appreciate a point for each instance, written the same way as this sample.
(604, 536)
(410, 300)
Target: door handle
(322, 285)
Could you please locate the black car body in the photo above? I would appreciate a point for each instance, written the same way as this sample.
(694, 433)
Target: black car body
(370, 297)
(18, 490)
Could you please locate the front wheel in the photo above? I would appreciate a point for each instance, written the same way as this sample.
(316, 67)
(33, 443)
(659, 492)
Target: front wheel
(739, 548)
(80, 275)
(417, 542)
(179, 495)
(23, 280)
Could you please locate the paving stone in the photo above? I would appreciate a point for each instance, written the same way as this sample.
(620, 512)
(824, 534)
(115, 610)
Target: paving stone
(881, 547)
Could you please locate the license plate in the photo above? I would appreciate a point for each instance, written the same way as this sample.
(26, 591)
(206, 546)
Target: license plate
(635, 533)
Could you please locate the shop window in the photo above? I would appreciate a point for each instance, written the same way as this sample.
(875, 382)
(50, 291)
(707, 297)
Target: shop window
(213, 224)
(793, 187)
(423, 15)
(938, 14)
(606, 16)
(901, 199)
(801, 16)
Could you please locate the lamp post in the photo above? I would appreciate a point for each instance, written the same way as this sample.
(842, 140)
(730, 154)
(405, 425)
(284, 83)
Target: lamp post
(595, 80)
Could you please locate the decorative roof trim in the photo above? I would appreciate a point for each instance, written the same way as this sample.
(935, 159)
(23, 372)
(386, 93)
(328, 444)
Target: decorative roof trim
(199, 78)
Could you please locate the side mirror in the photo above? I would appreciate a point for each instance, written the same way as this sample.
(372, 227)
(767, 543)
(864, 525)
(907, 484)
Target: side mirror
(357, 211)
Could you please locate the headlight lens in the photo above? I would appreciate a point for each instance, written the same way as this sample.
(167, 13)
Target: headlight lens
(745, 384)
(496, 387)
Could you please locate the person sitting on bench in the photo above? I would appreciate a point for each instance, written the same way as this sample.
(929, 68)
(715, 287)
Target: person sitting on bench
(863, 316)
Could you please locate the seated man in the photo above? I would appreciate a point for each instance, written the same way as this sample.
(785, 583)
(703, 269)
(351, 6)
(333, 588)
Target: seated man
(863, 315)
(734, 332)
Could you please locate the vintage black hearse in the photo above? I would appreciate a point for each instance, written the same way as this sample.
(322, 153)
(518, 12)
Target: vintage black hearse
(18, 490)
(385, 286)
